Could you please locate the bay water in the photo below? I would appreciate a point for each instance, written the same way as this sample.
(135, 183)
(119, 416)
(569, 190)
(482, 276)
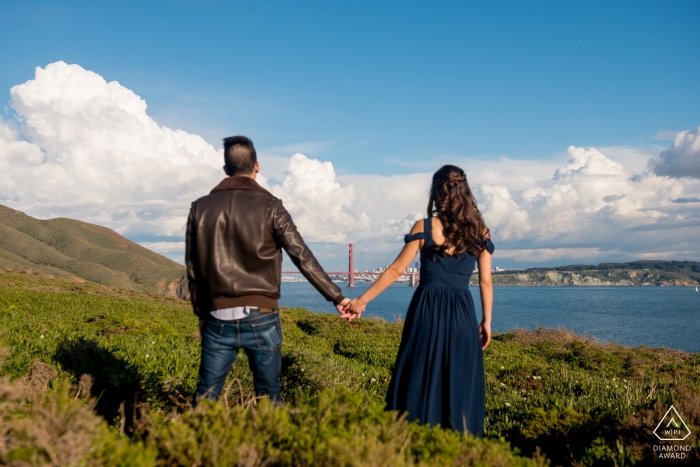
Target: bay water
(634, 316)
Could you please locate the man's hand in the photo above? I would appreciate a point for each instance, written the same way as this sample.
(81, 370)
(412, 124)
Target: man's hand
(341, 308)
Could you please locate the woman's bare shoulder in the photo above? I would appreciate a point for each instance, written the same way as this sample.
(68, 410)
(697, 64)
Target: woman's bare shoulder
(418, 227)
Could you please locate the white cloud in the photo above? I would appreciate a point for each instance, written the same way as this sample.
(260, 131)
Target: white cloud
(317, 202)
(503, 215)
(389, 199)
(540, 255)
(172, 250)
(682, 159)
(587, 162)
(86, 148)
(593, 200)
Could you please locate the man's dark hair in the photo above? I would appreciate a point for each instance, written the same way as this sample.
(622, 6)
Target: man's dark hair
(239, 155)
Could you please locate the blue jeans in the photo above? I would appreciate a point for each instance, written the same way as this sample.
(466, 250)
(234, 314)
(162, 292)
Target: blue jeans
(260, 334)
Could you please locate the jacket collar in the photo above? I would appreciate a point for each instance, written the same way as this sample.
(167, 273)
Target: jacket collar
(239, 183)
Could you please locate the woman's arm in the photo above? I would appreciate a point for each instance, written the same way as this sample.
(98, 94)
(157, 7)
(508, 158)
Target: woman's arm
(389, 276)
(486, 290)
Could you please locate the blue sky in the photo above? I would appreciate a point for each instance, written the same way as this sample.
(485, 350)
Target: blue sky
(515, 92)
(375, 83)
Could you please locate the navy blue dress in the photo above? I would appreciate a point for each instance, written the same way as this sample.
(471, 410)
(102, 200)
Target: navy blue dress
(439, 374)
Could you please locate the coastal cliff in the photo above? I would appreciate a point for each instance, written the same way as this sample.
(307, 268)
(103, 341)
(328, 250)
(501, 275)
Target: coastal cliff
(637, 273)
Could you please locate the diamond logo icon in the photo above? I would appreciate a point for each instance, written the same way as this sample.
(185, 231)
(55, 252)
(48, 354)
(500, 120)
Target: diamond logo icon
(672, 427)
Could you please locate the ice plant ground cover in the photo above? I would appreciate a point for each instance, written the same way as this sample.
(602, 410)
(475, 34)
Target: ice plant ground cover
(93, 375)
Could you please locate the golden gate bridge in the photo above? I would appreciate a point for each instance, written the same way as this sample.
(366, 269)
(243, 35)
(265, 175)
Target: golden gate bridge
(413, 277)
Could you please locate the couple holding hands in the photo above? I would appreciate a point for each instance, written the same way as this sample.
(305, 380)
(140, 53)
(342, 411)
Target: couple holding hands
(235, 237)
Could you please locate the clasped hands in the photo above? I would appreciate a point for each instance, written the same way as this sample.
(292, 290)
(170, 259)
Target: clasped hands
(351, 309)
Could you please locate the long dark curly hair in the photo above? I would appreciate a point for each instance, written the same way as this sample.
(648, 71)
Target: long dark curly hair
(452, 202)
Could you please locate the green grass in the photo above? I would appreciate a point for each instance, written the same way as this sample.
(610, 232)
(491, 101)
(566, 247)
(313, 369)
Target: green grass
(549, 392)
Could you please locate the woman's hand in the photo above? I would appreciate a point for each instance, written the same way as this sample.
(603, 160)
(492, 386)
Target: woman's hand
(485, 333)
(356, 307)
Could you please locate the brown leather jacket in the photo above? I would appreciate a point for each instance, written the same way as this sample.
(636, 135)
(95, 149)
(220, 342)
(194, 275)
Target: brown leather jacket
(235, 237)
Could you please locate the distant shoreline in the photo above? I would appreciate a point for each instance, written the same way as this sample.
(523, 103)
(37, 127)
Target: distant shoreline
(403, 284)
(647, 273)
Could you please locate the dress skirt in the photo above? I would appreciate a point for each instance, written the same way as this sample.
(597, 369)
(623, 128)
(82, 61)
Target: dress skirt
(439, 374)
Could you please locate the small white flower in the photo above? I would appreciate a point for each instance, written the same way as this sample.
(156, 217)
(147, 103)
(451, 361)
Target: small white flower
(363, 374)
(503, 384)
(507, 404)
(373, 380)
(153, 342)
(146, 355)
(41, 336)
(625, 386)
(503, 368)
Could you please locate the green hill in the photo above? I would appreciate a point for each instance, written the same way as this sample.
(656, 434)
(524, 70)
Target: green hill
(72, 249)
(551, 395)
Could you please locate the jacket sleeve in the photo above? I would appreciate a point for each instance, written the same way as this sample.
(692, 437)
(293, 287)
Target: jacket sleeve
(288, 237)
(191, 261)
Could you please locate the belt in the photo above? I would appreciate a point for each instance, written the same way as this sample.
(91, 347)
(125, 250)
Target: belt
(267, 310)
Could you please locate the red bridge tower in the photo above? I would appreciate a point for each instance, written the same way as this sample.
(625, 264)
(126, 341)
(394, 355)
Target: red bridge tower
(351, 270)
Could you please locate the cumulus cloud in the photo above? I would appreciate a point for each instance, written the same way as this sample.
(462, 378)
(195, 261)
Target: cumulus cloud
(587, 162)
(502, 213)
(593, 195)
(682, 159)
(597, 203)
(86, 145)
(80, 146)
(318, 203)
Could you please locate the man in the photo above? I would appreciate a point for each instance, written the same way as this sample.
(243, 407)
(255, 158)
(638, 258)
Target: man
(235, 237)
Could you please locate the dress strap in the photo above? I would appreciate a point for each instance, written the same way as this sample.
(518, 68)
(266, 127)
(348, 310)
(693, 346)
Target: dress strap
(428, 231)
(424, 235)
(489, 246)
(408, 238)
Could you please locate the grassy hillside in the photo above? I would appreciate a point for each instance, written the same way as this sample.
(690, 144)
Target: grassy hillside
(68, 248)
(550, 394)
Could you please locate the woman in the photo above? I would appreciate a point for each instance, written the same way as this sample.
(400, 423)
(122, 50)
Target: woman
(439, 372)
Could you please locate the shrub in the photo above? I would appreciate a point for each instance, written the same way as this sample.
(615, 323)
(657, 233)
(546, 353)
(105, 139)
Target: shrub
(53, 429)
(577, 401)
(337, 428)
